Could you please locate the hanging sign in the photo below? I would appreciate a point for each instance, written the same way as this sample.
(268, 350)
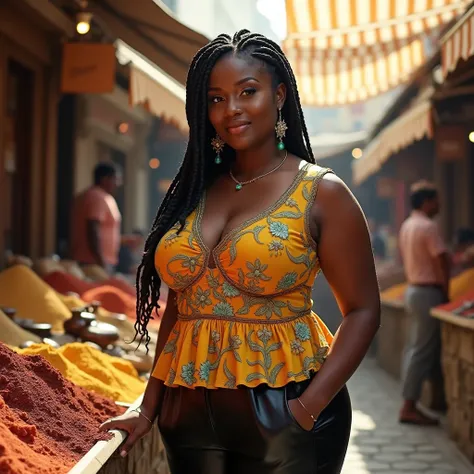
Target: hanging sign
(88, 68)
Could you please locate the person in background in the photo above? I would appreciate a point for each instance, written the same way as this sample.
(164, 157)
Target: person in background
(427, 267)
(97, 219)
(377, 240)
(130, 254)
(463, 252)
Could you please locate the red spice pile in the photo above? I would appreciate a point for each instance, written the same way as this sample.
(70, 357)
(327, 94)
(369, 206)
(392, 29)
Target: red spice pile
(64, 283)
(52, 423)
(24, 450)
(115, 295)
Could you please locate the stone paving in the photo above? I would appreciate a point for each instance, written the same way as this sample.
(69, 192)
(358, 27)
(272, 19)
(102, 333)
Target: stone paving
(380, 445)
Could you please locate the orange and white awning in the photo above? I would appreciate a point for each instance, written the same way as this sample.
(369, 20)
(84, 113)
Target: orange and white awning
(458, 43)
(152, 88)
(345, 51)
(411, 126)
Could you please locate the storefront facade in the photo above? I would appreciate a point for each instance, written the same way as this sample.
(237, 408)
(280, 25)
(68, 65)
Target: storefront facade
(108, 129)
(29, 76)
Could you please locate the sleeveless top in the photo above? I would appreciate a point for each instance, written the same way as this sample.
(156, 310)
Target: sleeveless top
(248, 320)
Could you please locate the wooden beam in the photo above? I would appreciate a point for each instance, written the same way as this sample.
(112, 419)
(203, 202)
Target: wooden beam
(52, 16)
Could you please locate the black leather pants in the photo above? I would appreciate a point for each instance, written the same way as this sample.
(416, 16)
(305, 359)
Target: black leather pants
(251, 431)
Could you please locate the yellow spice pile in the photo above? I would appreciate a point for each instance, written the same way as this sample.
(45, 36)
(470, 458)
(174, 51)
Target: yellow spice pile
(93, 370)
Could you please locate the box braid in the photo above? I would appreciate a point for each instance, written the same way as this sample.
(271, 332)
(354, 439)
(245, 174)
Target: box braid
(198, 170)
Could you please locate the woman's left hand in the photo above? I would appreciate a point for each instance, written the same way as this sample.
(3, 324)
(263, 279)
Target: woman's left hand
(301, 415)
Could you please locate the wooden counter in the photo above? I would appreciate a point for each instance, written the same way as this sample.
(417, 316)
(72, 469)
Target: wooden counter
(147, 456)
(392, 339)
(458, 367)
(392, 336)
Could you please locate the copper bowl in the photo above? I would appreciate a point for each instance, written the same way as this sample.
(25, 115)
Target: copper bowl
(42, 330)
(102, 334)
(80, 319)
(10, 312)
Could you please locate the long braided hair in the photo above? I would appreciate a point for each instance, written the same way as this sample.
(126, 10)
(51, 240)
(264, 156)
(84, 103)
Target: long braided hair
(198, 170)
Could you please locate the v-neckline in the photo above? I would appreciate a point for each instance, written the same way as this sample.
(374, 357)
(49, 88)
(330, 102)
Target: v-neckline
(247, 222)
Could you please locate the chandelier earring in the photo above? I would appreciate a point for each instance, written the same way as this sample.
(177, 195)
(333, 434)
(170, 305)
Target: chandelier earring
(218, 145)
(280, 128)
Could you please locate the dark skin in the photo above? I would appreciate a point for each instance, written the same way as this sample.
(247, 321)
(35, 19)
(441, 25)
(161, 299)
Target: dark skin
(241, 93)
(93, 240)
(109, 184)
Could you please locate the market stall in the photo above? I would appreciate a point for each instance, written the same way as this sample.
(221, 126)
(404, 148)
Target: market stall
(392, 336)
(457, 329)
(67, 365)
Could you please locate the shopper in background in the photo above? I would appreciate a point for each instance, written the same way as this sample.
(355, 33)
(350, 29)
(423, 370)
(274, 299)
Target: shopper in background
(379, 246)
(97, 219)
(427, 267)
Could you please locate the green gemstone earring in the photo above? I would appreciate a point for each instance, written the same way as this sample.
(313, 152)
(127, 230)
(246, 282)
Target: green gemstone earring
(218, 145)
(280, 128)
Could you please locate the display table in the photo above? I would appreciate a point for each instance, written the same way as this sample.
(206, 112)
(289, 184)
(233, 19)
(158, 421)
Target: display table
(147, 456)
(458, 367)
(392, 336)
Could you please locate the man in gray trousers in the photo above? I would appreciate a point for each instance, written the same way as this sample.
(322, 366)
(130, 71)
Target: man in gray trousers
(427, 267)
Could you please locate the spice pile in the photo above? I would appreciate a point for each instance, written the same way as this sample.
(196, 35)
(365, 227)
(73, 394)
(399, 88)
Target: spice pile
(46, 423)
(93, 370)
(22, 289)
(459, 285)
(12, 334)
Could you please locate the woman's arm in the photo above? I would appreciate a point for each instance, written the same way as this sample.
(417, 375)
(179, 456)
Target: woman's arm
(347, 262)
(135, 424)
(152, 397)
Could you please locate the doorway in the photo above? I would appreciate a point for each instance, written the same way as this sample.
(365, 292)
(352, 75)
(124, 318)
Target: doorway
(17, 155)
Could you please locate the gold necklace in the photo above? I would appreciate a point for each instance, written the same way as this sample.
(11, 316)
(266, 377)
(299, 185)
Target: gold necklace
(240, 184)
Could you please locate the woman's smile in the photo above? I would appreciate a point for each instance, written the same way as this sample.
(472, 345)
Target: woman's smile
(238, 128)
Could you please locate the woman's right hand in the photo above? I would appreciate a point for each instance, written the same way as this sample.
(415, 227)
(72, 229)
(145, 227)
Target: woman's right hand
(133, 423)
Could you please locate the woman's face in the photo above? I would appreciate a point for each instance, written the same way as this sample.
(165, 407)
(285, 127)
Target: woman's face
(242, 102)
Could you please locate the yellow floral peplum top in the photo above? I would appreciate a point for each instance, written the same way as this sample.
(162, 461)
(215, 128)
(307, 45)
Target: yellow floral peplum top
(248, 320)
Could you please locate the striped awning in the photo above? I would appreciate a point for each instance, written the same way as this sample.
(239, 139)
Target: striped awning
(458, 43)
(345, 51)
(152, 88)
(411, 126)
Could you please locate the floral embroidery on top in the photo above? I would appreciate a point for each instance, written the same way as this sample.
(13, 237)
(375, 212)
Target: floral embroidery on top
(287, 281)
(278, 229)
(223, 309)
(302, 332)
(229, 291)
(202, 297)
(248, 320)
(276, 248)
(257, 271)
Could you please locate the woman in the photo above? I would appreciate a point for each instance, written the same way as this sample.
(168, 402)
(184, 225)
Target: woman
(246, 378)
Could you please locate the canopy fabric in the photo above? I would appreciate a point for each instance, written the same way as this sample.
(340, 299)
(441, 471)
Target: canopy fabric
(149, 86)
(345, 51)
(458, 43)
(151, 31)
(411, 126)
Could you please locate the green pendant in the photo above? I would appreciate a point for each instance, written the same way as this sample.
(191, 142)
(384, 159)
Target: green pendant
(281, 146)
(238, 186)
(218, 160)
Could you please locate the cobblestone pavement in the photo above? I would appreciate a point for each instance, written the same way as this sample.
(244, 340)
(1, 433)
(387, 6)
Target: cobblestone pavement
(380, 445)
